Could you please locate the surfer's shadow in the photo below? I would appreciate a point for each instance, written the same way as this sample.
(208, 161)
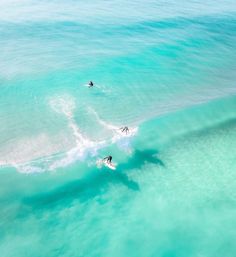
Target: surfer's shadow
(83, 189)
(137, 161)
(120, 177)
(94, 185)
(140, 158)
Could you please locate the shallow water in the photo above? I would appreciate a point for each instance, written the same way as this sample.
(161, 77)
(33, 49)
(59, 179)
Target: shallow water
(164, 69)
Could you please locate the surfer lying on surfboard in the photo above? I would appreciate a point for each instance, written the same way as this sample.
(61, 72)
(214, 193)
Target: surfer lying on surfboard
(124, 129)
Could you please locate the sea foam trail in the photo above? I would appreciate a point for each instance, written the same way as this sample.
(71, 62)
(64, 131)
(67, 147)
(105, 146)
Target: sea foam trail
(66, 106)
(116, 130)
(63, 105)
(84, 146)
(122, 139)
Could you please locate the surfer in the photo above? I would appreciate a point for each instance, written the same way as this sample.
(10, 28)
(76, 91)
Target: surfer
(108, 159)
(90, 83)
(124, 129)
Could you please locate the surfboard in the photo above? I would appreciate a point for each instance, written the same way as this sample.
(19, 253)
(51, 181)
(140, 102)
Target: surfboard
(110, 165)
(100, 163)
(87, 85)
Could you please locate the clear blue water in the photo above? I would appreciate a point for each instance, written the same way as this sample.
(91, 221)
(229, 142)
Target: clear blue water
(165, 69)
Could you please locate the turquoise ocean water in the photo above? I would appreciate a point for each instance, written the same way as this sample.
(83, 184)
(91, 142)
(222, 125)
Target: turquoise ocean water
(166, 69)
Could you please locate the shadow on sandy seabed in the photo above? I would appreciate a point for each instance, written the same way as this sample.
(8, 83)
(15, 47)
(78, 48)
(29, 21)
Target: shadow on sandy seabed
(140, 158)
(94, 184)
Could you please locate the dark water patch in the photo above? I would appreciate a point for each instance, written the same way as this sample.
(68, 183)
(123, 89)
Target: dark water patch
(197, 119)
(82, 189)
(93, 185)
(34, 28)
(221, 127)
(140, 158)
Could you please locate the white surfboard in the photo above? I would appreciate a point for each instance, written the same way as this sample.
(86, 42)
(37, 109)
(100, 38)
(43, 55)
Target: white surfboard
(87, 85)
(111, 166)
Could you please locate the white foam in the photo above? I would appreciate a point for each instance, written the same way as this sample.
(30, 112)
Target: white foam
(115, 129)
(84, 146)
(64, 104)
(32, 147)
(76, 154)
(44, 153)
(27, 168)
(101, 88)
(122, 139)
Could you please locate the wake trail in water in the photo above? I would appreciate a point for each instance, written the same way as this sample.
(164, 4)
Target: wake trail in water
(84, 146)
(66, 106)
(115, 129)
(101, 88)
(122, 139)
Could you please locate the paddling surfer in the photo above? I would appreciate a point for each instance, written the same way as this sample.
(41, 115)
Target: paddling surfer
(90, 83)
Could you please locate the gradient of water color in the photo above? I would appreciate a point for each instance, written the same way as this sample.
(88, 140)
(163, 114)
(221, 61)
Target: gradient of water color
(165, 69)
